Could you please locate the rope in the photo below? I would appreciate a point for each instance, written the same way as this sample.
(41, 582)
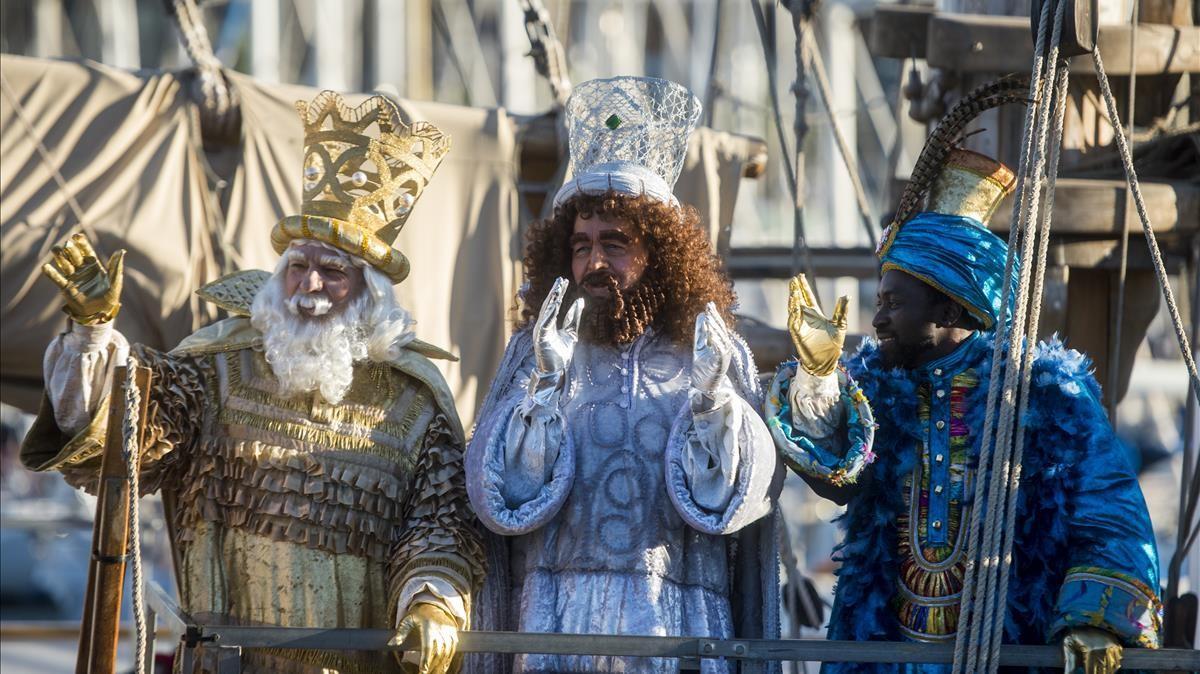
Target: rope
(132, 452)
(974, 530)
(1189, 485)
(1132, 180)
(1039, 277)
(218, 112)
(713, 88)
(802, 29)
(1003, 476)
(767, 38)
(995, 461)
(1119, 313)
(444, 32)
(990, 535)
(860, 195)
(546, 51)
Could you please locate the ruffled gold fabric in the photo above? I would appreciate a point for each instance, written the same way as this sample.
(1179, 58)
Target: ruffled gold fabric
(319, 501)
(292, 511)
(442, 539)
(179, 395)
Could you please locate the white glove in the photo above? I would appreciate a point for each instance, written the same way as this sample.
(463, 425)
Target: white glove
(712, 351)
(553, 346)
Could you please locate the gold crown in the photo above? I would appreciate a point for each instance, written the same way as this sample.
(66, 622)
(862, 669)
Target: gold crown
(970, 184)
(364, 169)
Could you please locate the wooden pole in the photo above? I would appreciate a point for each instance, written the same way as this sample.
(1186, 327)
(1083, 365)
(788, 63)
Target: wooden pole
(110, 537)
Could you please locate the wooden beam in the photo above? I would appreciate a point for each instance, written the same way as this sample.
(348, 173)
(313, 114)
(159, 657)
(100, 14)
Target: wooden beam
(100, 629)
(1160, 50)
(1088, 253)
(776, 262)
(979, 43)
(1092, 207)
(900, 31)
(1095, 207)
(998, 44)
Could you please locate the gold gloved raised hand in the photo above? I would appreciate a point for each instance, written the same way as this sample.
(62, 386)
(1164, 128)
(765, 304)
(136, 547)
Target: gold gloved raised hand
(92, 291)
(818, 340)
(438, 631)
(1098, 651)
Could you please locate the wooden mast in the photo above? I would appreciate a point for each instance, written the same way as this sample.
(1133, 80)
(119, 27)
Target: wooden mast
(100, 630)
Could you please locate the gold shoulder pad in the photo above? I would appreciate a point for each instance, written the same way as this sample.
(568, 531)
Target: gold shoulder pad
(235, 292)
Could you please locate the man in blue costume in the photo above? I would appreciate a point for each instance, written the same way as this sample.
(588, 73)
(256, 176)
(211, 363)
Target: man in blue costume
(622, 455)
(1085, 569)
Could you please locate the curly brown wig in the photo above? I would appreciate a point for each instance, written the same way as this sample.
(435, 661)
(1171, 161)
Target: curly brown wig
(683, 274)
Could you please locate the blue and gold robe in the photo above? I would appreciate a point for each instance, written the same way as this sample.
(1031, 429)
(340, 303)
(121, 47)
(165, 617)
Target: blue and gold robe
(1084, 551)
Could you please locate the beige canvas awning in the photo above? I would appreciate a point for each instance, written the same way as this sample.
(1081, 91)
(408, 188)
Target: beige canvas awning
(122, 153)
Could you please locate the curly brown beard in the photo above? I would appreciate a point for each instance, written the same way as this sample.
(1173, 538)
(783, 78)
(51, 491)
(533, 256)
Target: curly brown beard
(684, 274)
(620, 316)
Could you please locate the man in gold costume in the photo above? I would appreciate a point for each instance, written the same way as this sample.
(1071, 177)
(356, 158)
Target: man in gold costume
(307, 450)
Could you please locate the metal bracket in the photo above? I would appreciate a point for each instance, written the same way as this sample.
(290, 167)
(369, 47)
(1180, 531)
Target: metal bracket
(194, 636)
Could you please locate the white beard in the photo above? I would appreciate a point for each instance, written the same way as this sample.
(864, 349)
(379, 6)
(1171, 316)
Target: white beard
(318, 353)
(315, 354)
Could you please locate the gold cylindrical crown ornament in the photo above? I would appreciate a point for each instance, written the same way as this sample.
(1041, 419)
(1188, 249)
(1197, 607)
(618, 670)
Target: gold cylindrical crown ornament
(364, 170)
(970, 184)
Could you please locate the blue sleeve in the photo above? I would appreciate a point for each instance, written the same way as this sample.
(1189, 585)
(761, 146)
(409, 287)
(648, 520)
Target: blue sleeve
(838, 459)
(1112, 571)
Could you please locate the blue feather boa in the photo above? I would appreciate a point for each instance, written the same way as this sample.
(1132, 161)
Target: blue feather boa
(1063, 420)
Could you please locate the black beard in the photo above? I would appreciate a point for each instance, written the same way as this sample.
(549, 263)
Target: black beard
(618, 317)
(894, 354)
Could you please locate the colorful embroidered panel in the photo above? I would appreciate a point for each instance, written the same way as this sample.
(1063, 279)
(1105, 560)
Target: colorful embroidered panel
(930, 533)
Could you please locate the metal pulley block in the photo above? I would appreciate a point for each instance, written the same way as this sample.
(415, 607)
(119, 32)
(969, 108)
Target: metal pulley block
(1081, 24)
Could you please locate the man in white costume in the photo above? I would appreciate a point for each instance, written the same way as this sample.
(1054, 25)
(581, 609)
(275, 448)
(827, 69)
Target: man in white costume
(620, 447)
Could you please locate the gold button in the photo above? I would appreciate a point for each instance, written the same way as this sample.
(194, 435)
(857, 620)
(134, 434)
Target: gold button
(937, 524)
(940, 425)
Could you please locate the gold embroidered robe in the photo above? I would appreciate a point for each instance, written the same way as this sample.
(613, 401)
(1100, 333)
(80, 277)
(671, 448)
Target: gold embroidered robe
(294, 512)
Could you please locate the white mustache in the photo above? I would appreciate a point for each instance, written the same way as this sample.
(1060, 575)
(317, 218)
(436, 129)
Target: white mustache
(317, 305)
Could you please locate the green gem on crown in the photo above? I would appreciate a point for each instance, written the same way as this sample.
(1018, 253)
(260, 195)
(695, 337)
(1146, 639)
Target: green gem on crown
(613, 122)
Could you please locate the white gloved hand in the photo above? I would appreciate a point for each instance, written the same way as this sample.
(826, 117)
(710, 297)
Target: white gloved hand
(553, 345)
(712, 351)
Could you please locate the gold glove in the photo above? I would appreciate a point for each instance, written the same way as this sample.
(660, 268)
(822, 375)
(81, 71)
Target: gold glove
(92, 292)
(439, 636)
(1097, 650)
(818, 340)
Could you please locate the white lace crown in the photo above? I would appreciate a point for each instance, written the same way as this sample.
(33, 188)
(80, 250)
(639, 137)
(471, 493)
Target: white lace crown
(628, 135)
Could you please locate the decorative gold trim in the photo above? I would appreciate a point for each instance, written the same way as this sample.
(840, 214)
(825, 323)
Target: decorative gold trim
(355, 425)
(909, 633)
(364, 171)
(984, 167)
